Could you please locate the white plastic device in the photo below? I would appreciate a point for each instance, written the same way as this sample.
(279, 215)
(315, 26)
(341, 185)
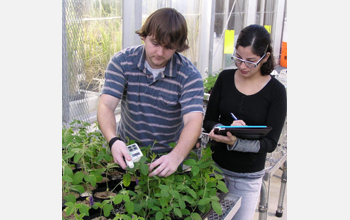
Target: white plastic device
(135, 153)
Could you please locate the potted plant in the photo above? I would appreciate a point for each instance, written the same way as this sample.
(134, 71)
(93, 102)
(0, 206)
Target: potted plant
(85, 149)
(85, 161)
(186, 194)
(182, 195)
(209, 82)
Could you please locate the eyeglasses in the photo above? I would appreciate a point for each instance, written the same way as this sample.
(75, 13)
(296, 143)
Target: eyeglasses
(246, 62)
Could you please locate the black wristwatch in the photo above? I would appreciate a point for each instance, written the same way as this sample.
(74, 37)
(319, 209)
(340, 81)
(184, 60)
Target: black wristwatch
(111, 142)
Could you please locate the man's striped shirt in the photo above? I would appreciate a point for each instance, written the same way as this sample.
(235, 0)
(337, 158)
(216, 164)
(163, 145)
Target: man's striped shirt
(152, 109)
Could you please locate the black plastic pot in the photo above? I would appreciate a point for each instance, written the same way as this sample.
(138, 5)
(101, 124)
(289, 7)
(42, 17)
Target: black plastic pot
(111, 216)
(103, 189)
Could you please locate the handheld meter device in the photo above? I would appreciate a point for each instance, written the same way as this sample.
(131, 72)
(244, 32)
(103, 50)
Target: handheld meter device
(135, 153)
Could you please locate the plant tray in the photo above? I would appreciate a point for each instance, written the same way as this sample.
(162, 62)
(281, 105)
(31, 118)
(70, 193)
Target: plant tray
(230, 204)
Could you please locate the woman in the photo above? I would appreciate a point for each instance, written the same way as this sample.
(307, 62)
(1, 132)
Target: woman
(255, 98)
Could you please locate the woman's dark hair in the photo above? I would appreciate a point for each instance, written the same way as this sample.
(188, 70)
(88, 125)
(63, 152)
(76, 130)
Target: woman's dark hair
(258, 38)
(168, 27)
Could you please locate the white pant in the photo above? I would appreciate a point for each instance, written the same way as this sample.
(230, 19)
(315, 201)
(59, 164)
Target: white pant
(249, 190)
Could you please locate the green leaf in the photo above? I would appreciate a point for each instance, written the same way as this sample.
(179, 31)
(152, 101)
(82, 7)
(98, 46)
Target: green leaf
(129, 207)
(67, 179)
(188, 199)
(222, 186)
(68, 172)
(70, 198)
(118, 199)
(164, 193)
(216, 207)
(195, 170)
(77, 157)
(167, 209)
(157, 195)
(69, 204)
(159, 215)
(178, 212)
(173, 144)
(69, 211)
(143, 159)
(144, 169)
(181, 187)
(218, 176)
(192, 193)
(126, 179)
(155, 208)
(68, 155)
(190, 162)
(78, 188)
(137, 207)
(204, 201)
(182, 204)
(174, 193)
(214, 198)
(163, 201)
(211, 184)
(78, 177)
(84, 209)
(125, 217)
(204, 208)
(164, 187)
(185, 212)
(203, 165)
(90, 179)
(107, 208)
(149, 204)
(217, 169)
(126, 198)
(196, 216)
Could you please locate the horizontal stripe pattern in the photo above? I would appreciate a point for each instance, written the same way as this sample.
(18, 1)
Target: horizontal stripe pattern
(152, 109)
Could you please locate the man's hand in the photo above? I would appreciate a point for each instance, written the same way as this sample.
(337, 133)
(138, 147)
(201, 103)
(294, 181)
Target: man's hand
(168, 164)
(165, 165)
(119, 152)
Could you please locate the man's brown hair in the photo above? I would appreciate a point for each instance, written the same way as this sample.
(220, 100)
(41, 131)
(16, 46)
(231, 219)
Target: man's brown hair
(168, 27)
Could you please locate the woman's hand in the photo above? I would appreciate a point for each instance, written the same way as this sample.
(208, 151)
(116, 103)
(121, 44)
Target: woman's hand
(229, 139)
(238, 123)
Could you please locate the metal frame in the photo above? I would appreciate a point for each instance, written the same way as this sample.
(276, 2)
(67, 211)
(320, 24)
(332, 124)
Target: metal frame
(265, 190)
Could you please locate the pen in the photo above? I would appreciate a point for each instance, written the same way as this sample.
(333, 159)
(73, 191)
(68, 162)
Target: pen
(234, 117)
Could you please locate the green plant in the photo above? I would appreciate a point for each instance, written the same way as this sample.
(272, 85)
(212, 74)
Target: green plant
(85, 159)
(209, 82)
(184, 194)
(86, 150)
(102, 39)
(71, 181)
(77, 209)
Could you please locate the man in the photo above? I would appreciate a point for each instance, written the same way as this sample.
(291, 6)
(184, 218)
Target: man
(161, 94)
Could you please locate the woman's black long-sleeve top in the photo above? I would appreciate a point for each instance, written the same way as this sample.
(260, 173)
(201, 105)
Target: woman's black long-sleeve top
(266, 107)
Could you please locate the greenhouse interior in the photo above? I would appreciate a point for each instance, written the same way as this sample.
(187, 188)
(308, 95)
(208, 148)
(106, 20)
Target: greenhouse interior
(93, 31)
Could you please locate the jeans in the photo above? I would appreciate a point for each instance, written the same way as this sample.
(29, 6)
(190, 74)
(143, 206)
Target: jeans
(249, 190)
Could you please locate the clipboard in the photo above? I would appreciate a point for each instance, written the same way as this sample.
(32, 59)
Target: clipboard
(250, 132)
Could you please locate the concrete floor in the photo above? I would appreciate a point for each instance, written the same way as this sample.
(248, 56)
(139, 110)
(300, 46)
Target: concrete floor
(275, 182)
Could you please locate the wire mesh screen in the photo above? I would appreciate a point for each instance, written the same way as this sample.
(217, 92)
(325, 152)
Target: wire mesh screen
(74, 101)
